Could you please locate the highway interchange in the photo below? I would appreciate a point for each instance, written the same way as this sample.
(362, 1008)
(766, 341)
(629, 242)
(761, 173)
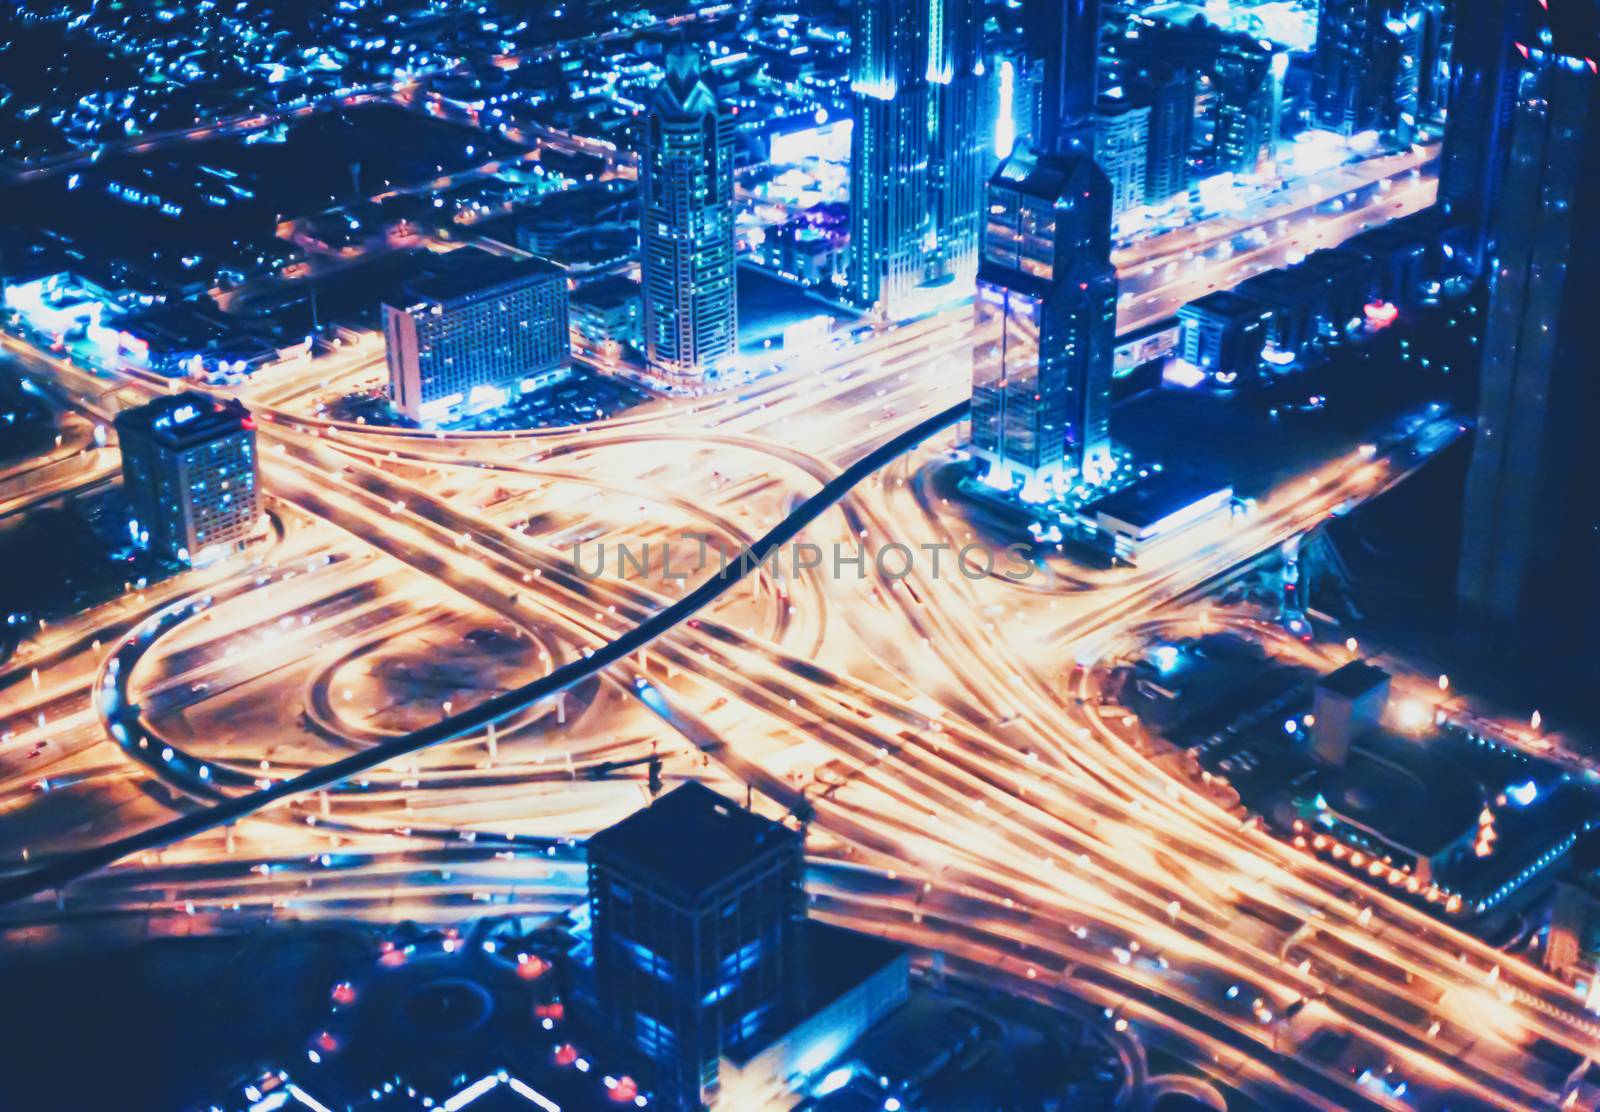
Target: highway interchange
(965, 791)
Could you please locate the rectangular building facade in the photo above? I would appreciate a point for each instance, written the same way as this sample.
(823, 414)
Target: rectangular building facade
(1046, 324)
(474, 334)
(697, 909)
(190, 474)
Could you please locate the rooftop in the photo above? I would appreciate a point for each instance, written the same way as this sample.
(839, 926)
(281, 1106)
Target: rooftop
(691, 839)
(470, 272)
(1354, 679)
(1153, 500)
(181, 420)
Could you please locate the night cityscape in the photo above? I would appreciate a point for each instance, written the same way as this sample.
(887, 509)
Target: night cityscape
(836, 556)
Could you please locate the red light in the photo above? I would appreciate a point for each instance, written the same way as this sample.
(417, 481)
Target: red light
(627, 1088)
(566, 1054)
(327, 1043)
(533, 967)
(554, 1010)
(344, 993)
(247, 423)
(1381, 314)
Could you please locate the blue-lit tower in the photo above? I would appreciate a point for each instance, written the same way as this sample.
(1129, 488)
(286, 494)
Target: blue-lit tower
(1046, 321)
(1367, 67)
(190, 474)
(916, 149)
(1477, 133)
(686, 228)
(1529, 578)
(697, 909)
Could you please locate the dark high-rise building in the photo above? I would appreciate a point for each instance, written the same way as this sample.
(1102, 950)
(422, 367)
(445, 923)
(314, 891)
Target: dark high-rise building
(1169, 93)
(1046, 316)
(190, 475)
(1247, 83)
(1366, 66)
(474, 332)
(1434, 64)
(1066, 36)
(1477, 133)
(916, 148)
(1529, 578)
(697, 909)
(1122, 148)
(686, 228)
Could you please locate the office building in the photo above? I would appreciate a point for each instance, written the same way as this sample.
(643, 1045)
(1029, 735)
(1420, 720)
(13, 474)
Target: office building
(686, 229)
(190, 475)
(697, 911)
(1365, 75)
(1434, 64)
(1046, 324)
(1346, 704)
(1531, 532)
(1121, 142)
(916, 153)
(1247, 84)
(1224, 333)
(1477, 135)
(474, 332)
(1169, 94)
(606, 319)
(1065, 34)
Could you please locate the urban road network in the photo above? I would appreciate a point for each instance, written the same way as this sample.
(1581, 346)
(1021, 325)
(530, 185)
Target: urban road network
(413, 622)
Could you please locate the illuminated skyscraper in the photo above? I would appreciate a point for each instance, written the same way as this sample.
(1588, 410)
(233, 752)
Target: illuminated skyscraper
(1247, 77)
(1122, 148)
(1477, 134)
(916, 149)
(189, 473)
(1046, 316)
(1366, 66)
(686, 229)
(697, 909)
(1530, 561)
(1169, 93)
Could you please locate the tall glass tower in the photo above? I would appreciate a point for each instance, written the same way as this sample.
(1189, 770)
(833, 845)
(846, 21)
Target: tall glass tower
(1477, 132)
(916, 149)
(1046, 320)
(1367, 67)
(686, 230)
(1530, 563)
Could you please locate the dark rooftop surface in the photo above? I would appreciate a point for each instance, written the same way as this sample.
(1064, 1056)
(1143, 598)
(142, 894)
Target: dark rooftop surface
(1156, 498)
(691, 839)
(469, 271)
(1354, 679)
(179, 420)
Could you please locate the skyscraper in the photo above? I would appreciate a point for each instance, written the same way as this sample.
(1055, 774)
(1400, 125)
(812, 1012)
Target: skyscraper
(1121, 147)
(1477, 134)
(1169, 93)
(1066, 34)
(1530, 563)
(1046, 314)
(1247, 77)
(686, 230)
(697, 909)
(189, 472)
(1366, 67)
(1434, 65)
(916, 149)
